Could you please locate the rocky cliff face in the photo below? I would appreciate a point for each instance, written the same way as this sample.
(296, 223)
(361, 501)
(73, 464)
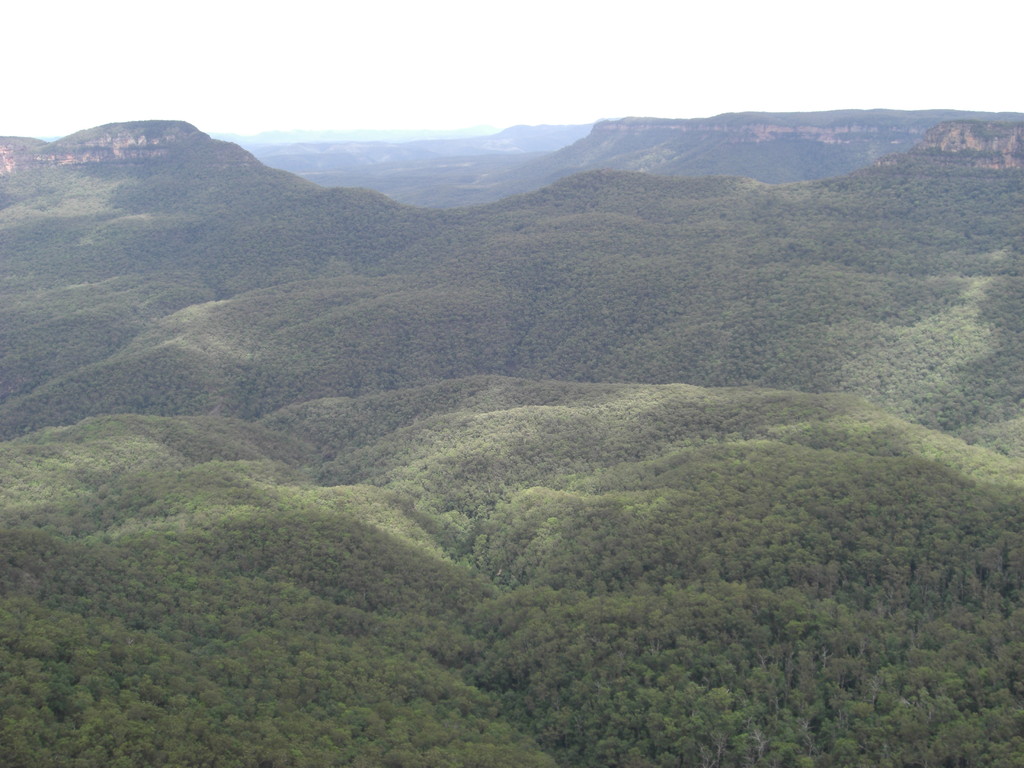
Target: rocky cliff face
(14, 151)
(753, 132)
(770, 147)
(977, 144)
(117, 143)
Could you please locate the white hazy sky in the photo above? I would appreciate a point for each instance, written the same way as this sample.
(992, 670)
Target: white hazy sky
(246, 68)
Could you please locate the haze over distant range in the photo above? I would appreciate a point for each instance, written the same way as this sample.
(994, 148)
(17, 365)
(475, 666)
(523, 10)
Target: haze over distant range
(451, 65)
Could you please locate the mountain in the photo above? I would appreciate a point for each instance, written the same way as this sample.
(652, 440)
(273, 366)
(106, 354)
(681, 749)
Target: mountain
(226, 286)
(434, 172)
(770, 147)
(774, 147)
(306, 157)
(117, 144)
(629, 470)
(398, 135)
(971, 144)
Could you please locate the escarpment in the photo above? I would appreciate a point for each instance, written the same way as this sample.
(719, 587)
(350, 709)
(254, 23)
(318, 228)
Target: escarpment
(969, 143)
(116, 143)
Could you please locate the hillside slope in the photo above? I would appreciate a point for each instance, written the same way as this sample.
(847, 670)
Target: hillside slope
(303, 477)
(189, 286)
(774, 147)
(770, 147)
(512, 573)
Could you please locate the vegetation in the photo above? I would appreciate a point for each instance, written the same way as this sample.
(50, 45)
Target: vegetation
(631, 471)
(897, 283)
(773, 147)
(722, 577)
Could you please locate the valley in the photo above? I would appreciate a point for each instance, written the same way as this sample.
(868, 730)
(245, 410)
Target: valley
(643, 465)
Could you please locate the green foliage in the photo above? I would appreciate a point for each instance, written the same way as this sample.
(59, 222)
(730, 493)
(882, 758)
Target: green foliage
(888, 283)
(211, 613)
(677, 576)
(770, 147)
(366, 485)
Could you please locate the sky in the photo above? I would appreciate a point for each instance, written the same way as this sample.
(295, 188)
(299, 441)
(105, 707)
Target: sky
(229, 67)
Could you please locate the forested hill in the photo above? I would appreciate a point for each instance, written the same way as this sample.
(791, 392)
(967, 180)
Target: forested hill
(773, 147)
(632, 470)
(182, 285)
(498, 573)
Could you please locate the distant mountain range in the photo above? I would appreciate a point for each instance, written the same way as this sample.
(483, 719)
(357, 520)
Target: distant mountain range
(398, 135)
(770, 147)
(417, 170)
(308, 156)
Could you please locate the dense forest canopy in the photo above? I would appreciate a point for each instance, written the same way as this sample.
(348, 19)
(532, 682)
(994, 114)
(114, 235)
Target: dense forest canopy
(631, 470)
